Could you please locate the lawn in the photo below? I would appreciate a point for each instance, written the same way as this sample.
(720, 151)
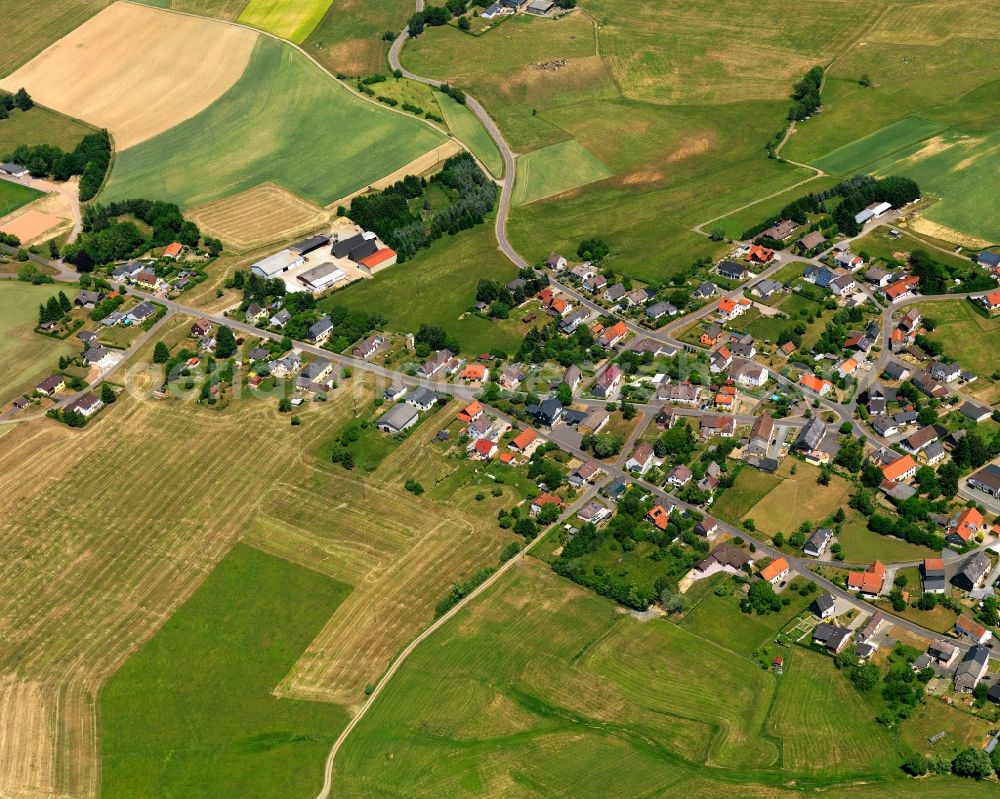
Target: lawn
(296, 139)
(207, 677)
(290, 19)
(467, 127)
(967, 337)
(27, 356)
(798, 498)
(851, 158)
(554, 169)
(750, 487)
(437, 287)
(15, 195)
(41, 126)
(861, 545)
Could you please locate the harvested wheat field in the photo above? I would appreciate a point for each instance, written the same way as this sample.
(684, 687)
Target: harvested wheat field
(137, 71)
(258, 216)
(30, 225)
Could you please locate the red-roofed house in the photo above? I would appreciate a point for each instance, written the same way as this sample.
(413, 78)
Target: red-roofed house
(964, 526)
(612, 335)
(902, 288)
(545, 499)
(659, 516)
(475, 372)
(471, 411)
(817, 384)
(991, 302)
(759, 255)
(787, 348)
(900, 470)
(848, 367)
(868, 582)
(523, 439)
(729, 309)
(775, 571)
(173, 250)
(483, 449)
(970, 629)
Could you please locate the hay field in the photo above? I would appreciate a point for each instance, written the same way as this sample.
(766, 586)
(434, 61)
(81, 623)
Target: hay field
(207, 676)
(227, 10)
(797, 498)
(290, 19)
(27, 356)
(30, 27)
(542, 689)
(283, 121)
(554, 169)
(258, 216)
(137, 71)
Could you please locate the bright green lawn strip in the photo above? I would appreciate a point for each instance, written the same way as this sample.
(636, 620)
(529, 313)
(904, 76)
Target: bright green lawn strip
(555, 169)
(15, 195)
(192, 713)
(438, 286)
(290, 19)
(464, 124)
(284, 121)
(28, 357)
(861, 545)
(750, 487)
(851, 158)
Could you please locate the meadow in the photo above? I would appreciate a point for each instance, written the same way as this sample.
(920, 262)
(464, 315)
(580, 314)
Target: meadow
(797, 498)
(27, 356)
(295, 140)
(967, 337)
(467, 127)
(290, 19)
(861, 545)
(348, 39)
(137, 71)
(539, 685)
(437, 287)
(39, 125)
(554, 169)
(749, 488)
(851, 158)
(16, 195)
(734, 224)
(207, 676)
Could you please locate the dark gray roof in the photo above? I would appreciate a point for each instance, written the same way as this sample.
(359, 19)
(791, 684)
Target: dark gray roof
(422, 396)
(398, 416)
(306, 246)
(342, 248)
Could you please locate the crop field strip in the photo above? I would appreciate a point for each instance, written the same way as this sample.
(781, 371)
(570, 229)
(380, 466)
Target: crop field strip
(296, 140)
(290, 19)
(137, 71)
(555, 169)
(31, 26)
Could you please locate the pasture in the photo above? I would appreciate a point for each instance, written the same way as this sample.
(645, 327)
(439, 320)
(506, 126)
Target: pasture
(41, 124)
(258, 216)
(16, 195)
(967, 337)
(437, 287)
(467, 128)
(554, 169)
(539, 685)
(295, 139)
(797, 498)
(27, 356)
(290, 19)
(348, 39)
(208, 675)
(137, 71)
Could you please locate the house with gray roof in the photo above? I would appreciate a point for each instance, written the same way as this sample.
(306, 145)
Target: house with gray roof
(398, 418)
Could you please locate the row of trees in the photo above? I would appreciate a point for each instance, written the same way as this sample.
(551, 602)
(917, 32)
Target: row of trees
(89, 159)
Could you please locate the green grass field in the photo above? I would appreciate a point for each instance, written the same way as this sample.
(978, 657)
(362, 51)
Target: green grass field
(464, 124)
(262, 130)
(797, 498)
(861, 545)
(969, 338)
(290, 19)
(15, 195)
(349, 37)
(554, 169)
(192, 714)
(734, 224)
(41, 126)
(28, 357)
(884, 143)
(750, 487)
(436, 287)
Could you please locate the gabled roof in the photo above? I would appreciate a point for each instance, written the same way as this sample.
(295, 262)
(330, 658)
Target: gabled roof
(774, 568)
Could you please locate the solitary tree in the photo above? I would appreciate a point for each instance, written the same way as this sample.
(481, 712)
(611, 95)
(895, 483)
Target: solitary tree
(161, 354)
(225, 343)
(107, 394)
(23, 100)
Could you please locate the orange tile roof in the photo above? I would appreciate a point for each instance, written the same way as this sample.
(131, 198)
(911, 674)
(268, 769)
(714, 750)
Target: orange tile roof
(968, 626)
(378, 257)
(524, 438)
(547, 499)
(726, 305)
(617, 329)
(470, 411)
(558, 305)
(506, 457)
(848, 366)
(723, 399)
(788, 348)
(814, 383)
(758, 253)
(993, 298)
(774, 568)
(967, 524)
(868, 582)
(933, 564)
(897, 469)
(659, 516)
(474, 371)
(173, 250)
(484, 447)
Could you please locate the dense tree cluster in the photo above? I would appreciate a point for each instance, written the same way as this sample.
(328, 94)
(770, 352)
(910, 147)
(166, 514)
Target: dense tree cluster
(805, 95)
(90, 160)
(57, 306)
(8, 102)
(390, 212)
(548, 344)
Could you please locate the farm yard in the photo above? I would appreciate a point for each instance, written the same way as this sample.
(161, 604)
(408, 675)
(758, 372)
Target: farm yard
(296, 139)
(290, 19)
(131, 57)
(208, 675)
(554, 169)
(27, 356)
